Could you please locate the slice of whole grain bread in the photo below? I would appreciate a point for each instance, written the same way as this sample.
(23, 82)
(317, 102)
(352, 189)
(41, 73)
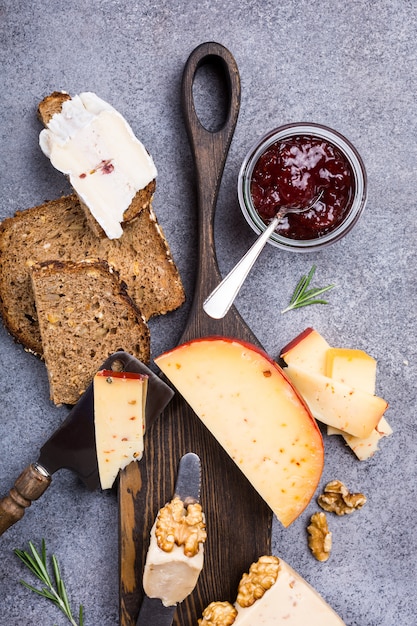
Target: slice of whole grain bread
(84, 315)
(57, 230)
(52, 104)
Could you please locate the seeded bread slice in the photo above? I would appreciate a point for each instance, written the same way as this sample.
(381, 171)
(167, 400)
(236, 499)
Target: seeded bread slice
(57, 230)
(53, 104)
(84, 315)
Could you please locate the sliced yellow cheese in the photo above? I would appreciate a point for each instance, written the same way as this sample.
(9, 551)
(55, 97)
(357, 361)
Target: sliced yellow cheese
(351, 410)
(290, 600)
(352, 367)
(119, 410)
(357, 368)
(308, 350)
(364, 447)
(250, 407)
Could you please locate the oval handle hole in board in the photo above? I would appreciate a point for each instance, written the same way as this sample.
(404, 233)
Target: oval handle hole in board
(211, 95)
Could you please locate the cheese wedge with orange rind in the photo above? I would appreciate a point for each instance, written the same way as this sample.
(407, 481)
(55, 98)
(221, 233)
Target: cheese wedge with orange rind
(308, 350)
(254, 412)
(119, 421)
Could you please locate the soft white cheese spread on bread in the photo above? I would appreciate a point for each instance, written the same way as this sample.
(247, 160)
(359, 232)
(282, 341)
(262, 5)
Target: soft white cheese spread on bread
(95, 147)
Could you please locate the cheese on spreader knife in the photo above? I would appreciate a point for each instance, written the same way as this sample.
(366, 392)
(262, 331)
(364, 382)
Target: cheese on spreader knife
(176, 555)
(119, 421)
(272, 593)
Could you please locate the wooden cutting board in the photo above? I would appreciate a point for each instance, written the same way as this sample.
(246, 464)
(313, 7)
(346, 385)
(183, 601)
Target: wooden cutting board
(238, 520)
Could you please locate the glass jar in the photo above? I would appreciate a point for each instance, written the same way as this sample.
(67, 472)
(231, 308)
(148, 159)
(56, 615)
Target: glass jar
(357, 197)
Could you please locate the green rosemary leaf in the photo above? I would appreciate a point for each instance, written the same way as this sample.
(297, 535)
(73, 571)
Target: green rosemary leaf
(303, 296)
(37, 564)
(42, 592)
(301, 304)
(40, 563)
(312, 293)
(302, 285)
(43, 547)
(298, 289)
(28, 561)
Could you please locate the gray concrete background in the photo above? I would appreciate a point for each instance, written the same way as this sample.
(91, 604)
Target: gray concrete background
(350, 65)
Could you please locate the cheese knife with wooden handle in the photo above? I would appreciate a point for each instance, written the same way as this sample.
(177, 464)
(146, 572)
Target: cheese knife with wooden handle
(73, 447)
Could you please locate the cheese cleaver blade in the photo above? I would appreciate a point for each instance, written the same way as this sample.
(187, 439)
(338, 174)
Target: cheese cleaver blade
(73, 445)
(187, 488)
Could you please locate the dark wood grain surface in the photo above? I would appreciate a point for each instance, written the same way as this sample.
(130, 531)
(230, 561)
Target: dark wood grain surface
(238, 520)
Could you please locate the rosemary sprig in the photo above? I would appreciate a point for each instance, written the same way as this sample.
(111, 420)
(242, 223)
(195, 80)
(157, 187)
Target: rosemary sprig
(37, 564)
(303, 296)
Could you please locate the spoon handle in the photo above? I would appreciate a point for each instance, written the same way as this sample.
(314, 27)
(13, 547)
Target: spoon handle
(222, 297)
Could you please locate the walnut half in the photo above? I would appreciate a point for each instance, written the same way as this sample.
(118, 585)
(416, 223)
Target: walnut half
(320, 539)
(180, 525)
(262, 575)
(218, 614)
(336, 498)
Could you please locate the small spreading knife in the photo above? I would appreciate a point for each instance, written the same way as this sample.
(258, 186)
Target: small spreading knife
(73, 446)
(187, 488)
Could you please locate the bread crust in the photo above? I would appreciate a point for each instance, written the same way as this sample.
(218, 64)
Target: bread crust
(51, 104)
(79, 333)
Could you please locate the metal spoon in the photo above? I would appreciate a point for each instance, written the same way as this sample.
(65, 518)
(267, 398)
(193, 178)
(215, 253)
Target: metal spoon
(220, 300)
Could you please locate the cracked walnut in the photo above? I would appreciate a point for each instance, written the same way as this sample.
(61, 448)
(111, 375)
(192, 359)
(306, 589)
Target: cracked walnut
(218, 614)
(320, 537)
(262, 575)
(336, 498)
(180, 525)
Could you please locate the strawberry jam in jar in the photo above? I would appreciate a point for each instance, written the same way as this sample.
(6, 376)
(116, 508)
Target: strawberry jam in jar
(303, 165)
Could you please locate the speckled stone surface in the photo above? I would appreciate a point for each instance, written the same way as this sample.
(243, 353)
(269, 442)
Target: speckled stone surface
(350, 65)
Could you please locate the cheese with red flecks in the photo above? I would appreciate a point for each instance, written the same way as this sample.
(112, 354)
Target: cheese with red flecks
(290, 600)
(308, 350)
(250, 407)
(349, 409)
(358, 369)
(287, 600)
(92, 143)
(119, 421)
(352, 367)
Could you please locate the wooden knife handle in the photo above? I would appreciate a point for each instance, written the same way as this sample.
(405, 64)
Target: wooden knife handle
(130, 483)
(30, 485)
